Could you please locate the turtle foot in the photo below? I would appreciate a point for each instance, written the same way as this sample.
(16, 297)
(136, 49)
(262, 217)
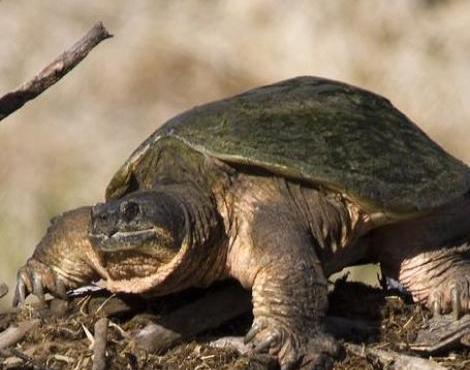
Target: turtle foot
(449, 326)
(301, 348)
(37, 278)
(452, 297)
(440, 279)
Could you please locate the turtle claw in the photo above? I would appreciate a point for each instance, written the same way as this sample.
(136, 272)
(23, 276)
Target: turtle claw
(20, 293)
(35, 278)
(301, 348)
(254, 330)
(452, 299)
(450, 323)
(456, 304)
(267, 343)
(436, 309)
(38, 289)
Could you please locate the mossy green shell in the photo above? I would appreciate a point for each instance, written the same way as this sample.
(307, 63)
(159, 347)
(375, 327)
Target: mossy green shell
(322, 132)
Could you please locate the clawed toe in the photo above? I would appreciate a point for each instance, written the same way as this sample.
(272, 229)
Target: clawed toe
(270, 341)
(38, 289)
(255, 328)
(453, 301)
(23, 286)
(301, 348)
(456, 303)
(37, 279)
(20, 293)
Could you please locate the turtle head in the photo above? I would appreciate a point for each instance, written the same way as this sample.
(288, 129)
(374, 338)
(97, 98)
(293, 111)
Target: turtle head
(155, 241)
(143, 224)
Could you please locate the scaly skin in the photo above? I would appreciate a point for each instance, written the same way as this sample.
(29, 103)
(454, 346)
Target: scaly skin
(440, 279)
(279, 239)
(430, 256)
(273, 232)
(64, 259)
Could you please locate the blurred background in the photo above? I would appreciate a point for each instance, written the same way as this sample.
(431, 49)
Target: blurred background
(59, 151)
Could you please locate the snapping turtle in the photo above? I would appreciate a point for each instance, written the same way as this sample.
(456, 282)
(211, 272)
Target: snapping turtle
(277, 188)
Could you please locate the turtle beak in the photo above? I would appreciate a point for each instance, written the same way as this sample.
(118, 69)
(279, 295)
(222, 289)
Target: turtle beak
(113, 228)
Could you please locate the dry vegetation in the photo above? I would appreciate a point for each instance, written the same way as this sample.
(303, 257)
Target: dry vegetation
(59, 151)
(61, 341)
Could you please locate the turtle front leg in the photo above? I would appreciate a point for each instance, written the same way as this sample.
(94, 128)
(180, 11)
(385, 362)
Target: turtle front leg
(289, 302)
(63, 259)
(289, 293)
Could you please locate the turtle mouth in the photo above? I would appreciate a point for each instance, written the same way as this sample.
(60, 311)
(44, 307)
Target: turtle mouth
(122, 240)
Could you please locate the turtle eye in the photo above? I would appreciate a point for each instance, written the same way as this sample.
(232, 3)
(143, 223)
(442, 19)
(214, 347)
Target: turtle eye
(129, 210)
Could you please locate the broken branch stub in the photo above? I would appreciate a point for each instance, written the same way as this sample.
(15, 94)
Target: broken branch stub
(99, 346)
(393, 360)
(52, 73)
(3, 290)
(14, 334)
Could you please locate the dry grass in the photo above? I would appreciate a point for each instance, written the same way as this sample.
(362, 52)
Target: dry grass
(60, 340)
(59, 151)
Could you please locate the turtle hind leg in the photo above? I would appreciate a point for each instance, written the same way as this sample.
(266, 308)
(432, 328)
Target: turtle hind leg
(440, 279)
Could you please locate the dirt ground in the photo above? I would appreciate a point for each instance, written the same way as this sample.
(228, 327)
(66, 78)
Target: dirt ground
(61, 341)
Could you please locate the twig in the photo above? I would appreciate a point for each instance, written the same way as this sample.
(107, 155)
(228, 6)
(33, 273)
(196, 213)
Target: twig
(266, 361)
(206, 313)
(62, 358)
(3, 290)
(65, 62)
(108, 306)
(27, 360)
(13, 335)
(104, 303)
(237, 343)
(99, 347)
(393, 360)
(89, 336)
(438, 335)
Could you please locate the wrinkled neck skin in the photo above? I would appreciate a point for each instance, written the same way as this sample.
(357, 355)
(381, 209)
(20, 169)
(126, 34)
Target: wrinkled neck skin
(192, 179)
(331, 223)
(199, 261)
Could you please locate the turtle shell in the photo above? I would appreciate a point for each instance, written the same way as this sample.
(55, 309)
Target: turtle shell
(330, 134)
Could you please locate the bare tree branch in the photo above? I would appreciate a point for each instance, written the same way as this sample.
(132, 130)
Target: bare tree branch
(3, 289)
(393, 360)
(65, 62)
(13, 335)
(205, 313)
